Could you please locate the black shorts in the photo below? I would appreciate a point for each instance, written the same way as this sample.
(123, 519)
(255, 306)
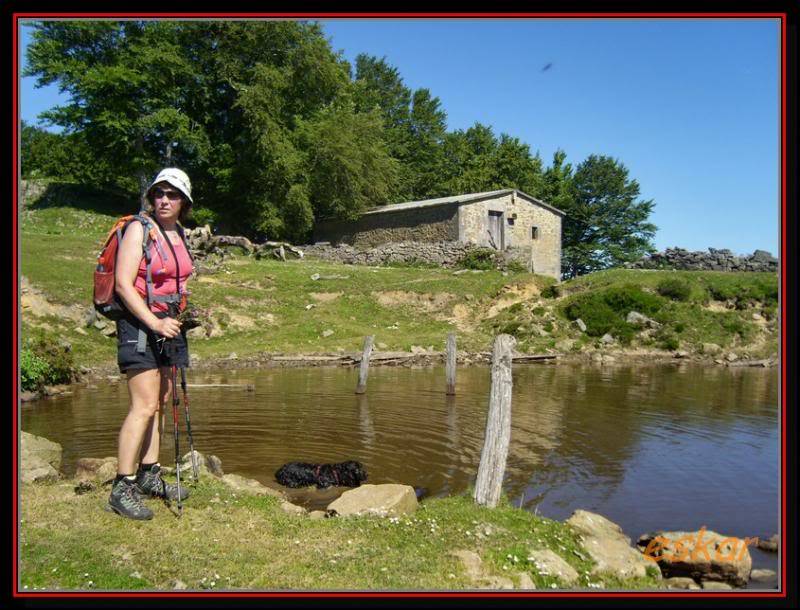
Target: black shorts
(158, 350)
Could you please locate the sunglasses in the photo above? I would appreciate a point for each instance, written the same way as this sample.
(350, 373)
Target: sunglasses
(171, 195)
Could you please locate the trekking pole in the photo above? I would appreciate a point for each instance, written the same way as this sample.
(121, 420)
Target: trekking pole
(188, 424)
(175, 428)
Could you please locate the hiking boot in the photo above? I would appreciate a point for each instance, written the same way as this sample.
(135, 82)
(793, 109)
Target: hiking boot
(150, 483)
(125, 500)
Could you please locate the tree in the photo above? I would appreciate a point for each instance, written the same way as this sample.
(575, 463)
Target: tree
(475, 161)
(348, 165)
(605, 224)
(224, 100)
(427, 126)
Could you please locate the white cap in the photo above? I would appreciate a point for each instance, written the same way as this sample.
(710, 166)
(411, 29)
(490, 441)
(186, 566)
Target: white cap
(176, 178)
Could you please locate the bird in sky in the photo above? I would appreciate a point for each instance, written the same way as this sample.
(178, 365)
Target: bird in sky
(547, 67)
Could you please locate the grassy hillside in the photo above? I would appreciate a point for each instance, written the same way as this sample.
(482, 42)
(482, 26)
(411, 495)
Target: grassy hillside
(271, 306)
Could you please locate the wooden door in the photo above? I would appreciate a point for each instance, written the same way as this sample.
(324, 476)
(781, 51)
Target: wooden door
(495, 230)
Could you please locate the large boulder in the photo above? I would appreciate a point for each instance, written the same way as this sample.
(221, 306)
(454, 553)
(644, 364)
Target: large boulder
(703, 555)
(387, 500)
(40, 459)
(608, 546)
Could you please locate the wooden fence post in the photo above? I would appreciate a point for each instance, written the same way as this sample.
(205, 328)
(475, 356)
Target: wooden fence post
(364, 370)
(498, 425)
(451, 364)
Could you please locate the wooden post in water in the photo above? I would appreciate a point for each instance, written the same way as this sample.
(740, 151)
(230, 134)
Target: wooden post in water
(451, 364)
(498, 425)
(364, 370)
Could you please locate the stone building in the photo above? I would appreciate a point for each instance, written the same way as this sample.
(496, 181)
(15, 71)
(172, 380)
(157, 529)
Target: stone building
(508, 220)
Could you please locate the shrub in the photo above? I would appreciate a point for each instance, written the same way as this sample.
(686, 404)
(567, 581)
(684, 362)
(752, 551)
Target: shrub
(595, 313)
(479, 258)
(509, 328)
(675, 289)
(722, 292)
(629, 297)
(551, 292)
(605, 312)
(33, 370)
(669, 342)
(44, 362)
(515, 266)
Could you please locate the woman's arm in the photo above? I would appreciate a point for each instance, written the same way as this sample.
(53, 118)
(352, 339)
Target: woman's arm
(128, 259)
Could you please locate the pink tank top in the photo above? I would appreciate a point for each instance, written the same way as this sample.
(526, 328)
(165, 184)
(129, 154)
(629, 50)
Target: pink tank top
(163, 271)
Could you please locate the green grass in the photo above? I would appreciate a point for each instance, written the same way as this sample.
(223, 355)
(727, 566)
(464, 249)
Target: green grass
(228, 540)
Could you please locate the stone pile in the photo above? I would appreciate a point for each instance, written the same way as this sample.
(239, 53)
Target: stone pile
(713, 260)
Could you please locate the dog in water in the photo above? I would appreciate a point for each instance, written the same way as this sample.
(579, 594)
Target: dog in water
(303, 474)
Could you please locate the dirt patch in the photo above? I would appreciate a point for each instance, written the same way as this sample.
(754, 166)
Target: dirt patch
(207, 279)
(34, 302)
(512, 295)
(717, 306)
(428, 302)
(462, 317)
(325, 297)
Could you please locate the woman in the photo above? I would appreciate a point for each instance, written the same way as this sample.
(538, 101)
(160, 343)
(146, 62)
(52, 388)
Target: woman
(150, 340)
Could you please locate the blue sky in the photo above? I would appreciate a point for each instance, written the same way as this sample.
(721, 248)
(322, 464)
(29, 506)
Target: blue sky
(690, 106)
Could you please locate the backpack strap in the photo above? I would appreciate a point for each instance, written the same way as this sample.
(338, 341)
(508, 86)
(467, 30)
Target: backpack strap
(147, 225)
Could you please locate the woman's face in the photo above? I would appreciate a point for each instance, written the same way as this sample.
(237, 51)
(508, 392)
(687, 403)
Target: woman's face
(167, 202)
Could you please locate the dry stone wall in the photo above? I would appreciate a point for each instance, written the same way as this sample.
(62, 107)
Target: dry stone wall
(713, 260)
(443, 253)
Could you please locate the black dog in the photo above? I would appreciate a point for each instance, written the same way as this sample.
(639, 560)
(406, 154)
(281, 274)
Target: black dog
(303, 474)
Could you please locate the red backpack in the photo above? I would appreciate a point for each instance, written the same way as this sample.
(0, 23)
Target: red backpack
(106, 301)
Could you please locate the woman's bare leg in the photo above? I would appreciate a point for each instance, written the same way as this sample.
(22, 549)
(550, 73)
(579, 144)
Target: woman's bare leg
(151, 445)
(143, 388)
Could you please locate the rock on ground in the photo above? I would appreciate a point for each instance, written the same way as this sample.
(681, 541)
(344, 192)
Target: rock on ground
(608, 546)
(701, 555)
(680, 582)
(473, 566)
(549, 563)
(40, 458)
(243, 484)
(770, 545)
(206, 464)
(387, 500)
(715, 585)
(96, 469)
(763, 575)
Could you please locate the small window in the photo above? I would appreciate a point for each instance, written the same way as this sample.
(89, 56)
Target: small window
(511, 221)
(534, 232)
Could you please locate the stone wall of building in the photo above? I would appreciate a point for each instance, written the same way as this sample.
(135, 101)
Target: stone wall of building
(541, 255)
(432, 224)
(713, 260)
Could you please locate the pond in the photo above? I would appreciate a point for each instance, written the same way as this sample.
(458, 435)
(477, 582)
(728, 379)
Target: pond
(673, 447)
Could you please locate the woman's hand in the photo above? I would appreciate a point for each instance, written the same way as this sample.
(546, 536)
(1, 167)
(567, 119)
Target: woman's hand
(167, 327)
